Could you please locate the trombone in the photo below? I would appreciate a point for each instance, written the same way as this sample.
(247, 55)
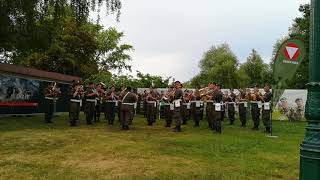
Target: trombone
(205, 91)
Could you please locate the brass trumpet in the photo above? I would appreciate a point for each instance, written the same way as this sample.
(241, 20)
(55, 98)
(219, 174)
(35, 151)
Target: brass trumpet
(205, 92)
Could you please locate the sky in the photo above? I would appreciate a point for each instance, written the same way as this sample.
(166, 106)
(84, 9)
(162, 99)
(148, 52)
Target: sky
(170, 36)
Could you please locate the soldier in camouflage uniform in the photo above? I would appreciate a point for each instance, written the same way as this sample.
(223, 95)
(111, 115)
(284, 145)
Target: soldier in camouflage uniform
(196, 108)
(296, 113)
(242, 104)
(100, 89)
(111, 101)
(50, 93)
(231, 99)
(151, 99)
(91, 101)
(176, 98)
(127, 101)
(76, 95)
(168, 108)
(266, 110)
(217, 99)
(256, 99)
(210, 105)
(186, 108)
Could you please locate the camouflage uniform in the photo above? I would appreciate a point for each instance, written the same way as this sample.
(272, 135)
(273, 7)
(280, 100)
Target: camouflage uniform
(196, 109)
(74, 106)
(50, 94)
(231, 107)
(177, 113)
(217, 98)
(255, 111)
(266, 113)
(152, 108)
(243, 109)
(128, 100)
(90, 106)
(111, 107)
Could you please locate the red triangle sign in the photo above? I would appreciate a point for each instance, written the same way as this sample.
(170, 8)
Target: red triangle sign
(291, 51)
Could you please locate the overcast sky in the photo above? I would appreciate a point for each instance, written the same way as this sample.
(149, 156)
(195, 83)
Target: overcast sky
(170, 36)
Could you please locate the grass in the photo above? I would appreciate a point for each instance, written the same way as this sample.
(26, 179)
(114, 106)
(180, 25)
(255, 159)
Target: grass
(30, 149)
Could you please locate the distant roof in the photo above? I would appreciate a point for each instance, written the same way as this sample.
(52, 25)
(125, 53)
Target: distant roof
(35, 73)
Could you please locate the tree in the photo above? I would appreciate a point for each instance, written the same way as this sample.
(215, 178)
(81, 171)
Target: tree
(119, 81)
(256, 69)
(110, 55)
(19, 20)
(74, 48)
(105, 77)
(301, 29)
(243, 80)
(146, 80)
(219, 64)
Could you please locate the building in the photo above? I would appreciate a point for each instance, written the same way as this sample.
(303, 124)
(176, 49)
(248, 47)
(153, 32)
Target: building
(22, 89)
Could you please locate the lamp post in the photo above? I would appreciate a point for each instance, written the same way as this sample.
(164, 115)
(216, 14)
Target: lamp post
(310, 147)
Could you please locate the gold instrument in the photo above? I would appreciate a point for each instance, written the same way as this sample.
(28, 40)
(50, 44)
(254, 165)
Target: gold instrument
(205, 91)
(54, 91)
(255, 96)
(54, 86)
(171, 94)
(95, 91)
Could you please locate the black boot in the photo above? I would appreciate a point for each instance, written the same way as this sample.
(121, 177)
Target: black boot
(218, 129)
(196, 124)
(255, 128)
(213, 128)
(89, 123)
(177, 129)
(184, 122)
(268, 130)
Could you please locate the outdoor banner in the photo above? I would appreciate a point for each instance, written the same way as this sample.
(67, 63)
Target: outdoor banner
(25, 96)
(287, 61)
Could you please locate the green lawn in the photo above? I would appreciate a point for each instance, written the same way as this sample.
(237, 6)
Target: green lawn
(30, 149)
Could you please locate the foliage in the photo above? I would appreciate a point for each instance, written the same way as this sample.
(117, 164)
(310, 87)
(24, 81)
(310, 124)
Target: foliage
(103, 76)
(19, 19)
(218, 64)
(34, 150)
(257, 71)
(76, 48)
(147, 80)
(141, 81)
(301, 29)
(243, 79)
(110, 55)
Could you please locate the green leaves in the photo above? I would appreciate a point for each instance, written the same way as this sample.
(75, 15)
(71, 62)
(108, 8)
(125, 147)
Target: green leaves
(219, 64)
(141, 81)
(61, 43)
(257, 71)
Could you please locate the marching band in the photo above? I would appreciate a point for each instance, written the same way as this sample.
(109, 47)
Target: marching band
(175, 105)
